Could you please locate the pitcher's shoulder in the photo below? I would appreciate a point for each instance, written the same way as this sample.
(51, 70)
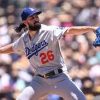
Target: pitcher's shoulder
(48, 27)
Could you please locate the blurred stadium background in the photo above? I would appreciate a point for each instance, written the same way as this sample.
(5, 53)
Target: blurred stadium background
(81, 58)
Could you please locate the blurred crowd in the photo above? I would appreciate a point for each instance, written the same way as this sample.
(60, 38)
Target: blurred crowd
(81, 58)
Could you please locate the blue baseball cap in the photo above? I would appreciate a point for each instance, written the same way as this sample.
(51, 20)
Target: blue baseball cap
(27, 12)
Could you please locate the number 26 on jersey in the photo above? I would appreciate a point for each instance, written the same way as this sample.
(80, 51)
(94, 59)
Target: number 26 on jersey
(46, 56)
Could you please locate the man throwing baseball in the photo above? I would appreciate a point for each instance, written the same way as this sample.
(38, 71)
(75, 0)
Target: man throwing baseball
(40, 43)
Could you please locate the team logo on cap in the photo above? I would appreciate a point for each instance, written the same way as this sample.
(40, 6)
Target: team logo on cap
(31, 9)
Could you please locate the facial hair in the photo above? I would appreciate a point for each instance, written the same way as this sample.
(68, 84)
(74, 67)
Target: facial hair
(36, 27)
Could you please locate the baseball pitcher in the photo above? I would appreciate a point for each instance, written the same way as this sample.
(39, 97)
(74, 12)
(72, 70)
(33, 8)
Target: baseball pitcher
(40, 43)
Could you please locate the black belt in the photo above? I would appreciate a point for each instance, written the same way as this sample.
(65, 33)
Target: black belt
(51, 73)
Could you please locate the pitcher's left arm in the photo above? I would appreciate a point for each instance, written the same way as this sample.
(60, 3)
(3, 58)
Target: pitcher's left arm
(77, 30)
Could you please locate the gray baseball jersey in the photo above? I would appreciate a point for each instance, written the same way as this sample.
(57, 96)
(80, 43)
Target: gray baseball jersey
(43, 49)
(44, 55)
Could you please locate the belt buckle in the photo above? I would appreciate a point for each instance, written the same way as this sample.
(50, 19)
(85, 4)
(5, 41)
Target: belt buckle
(53, 73)
(45, 76)
(50, 74)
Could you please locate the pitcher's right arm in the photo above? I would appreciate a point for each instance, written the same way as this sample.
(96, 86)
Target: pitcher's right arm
(7, 49)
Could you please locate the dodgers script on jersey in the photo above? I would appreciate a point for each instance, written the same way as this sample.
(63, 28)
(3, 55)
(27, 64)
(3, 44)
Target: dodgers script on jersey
(42, 50)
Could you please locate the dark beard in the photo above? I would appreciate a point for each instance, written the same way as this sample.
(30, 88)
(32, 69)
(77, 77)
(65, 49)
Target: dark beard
(36, 27)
